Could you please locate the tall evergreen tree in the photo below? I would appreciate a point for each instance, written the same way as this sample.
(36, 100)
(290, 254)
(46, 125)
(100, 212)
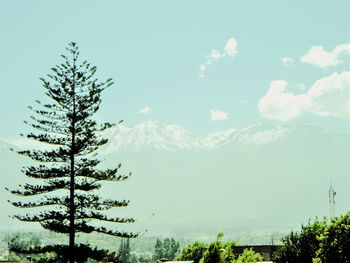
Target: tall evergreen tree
(68, 174)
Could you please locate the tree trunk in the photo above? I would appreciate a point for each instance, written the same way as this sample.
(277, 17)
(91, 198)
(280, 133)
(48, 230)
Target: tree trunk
(72, 173)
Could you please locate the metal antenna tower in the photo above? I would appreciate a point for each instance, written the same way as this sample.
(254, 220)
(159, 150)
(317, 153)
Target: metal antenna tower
(331, 195)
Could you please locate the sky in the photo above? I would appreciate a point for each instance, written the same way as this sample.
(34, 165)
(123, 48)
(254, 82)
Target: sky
(204, 65)
(207, 66)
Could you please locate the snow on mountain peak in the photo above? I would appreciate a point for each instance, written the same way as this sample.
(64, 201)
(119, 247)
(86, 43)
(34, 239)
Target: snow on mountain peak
(261, 133)
(153, 135)
(215, 138)
(150, 134)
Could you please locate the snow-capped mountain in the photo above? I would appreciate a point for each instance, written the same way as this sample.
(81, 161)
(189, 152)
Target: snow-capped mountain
(208, 174)
(258, 134)
(153, 135)
(150, 134)
(214, 139)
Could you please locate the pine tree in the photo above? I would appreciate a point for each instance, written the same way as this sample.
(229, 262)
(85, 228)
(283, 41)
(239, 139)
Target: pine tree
(70, 165)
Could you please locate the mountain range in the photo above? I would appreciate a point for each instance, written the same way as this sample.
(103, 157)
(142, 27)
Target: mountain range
(267, 175)
(152, 135)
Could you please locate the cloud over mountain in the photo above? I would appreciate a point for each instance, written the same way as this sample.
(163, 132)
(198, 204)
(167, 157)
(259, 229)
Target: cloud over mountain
(329, 96)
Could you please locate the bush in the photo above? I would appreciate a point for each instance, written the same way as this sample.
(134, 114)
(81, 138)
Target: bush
(321, 241)
(227, 252)
(301, 247)
(193, 252)
(213, 253)
(334, 242)
(249, 256)
(217, 252)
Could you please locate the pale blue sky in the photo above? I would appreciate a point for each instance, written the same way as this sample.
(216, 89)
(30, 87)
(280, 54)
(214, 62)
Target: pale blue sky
(154, 49)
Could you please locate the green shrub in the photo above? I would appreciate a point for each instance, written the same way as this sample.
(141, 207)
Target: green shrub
(334, 242)
(249, 256)
(193, 252)
(321, 241)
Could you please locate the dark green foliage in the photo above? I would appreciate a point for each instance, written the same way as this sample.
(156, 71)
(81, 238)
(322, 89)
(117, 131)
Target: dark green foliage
(62, 253)
(290, 252)
(301, 247)
(66, 176)
(335, 241)
(219, 252)
(321, 241)
(227, 252)
(213, 253)
(193, 252)
(166, 249)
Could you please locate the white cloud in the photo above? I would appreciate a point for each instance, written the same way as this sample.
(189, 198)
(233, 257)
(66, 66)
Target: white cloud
(145, 110)
(217, 115)
(279, 104)
(277, 87)
(329, 96)
(319, 57)
(231, 47)
(288, 62)
(230, 50)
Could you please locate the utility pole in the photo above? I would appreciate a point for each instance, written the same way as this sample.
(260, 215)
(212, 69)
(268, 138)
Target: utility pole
(331, 195)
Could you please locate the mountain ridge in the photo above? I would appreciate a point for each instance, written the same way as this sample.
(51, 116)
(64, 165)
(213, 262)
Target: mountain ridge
(153, 135)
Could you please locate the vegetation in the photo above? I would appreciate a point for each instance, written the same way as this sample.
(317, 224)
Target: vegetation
(217, 252)
(15, 242)
(249, 256)
(140, 249)
(193, 252)
(212, 254)
(321, 241)
(335, 240)
(66, 176)
(318, 242)
(166, 249)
